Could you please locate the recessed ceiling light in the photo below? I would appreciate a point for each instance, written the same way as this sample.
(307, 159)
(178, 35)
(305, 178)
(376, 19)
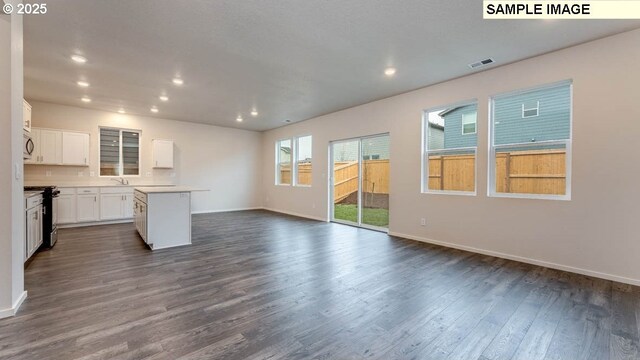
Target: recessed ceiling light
(254, 112)
(79, 59)
(154, 109)
(390, 71)
(121, 111)
(239, 118)
(83, 83)
(86, 99)
(164, 98)
(178, 81)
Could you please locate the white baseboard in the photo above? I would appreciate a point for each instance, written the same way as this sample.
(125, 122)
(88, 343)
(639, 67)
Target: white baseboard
(14, 309)
(522, 259)
(295, 214)
(225, 210)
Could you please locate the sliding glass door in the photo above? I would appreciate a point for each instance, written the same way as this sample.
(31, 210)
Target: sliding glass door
(360, 182)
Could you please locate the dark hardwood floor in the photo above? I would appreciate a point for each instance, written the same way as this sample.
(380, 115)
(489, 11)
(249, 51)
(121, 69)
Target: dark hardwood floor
(260, 285)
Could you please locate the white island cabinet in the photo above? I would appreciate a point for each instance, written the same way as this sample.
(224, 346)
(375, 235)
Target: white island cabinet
(162, 215)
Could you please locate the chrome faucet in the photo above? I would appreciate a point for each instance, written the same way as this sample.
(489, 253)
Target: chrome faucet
(122, 181)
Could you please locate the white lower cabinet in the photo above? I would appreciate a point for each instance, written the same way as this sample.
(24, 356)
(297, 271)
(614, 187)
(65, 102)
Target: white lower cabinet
(95, 204)
(67, 206)
(140, 218)
(87, 208)
(116, 206)
(33, 226)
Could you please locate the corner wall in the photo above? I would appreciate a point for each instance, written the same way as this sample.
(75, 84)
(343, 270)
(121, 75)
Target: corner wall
(12, 229)
(594, 233)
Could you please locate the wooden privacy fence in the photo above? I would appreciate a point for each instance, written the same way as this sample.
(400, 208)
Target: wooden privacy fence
(304, 174)
(525, 172)
(375, 175)
(531, 172)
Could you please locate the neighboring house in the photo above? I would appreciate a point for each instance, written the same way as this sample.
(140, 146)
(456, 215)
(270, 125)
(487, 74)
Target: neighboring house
(534, 116)
(436, 136)
(460, 126)
(372, 149)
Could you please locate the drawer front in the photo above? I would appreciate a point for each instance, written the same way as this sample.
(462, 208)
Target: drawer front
(87, 191)
(117, 190)
(34, 201)
(67, 191)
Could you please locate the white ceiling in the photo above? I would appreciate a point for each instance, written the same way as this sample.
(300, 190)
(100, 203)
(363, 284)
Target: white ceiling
(291, 59)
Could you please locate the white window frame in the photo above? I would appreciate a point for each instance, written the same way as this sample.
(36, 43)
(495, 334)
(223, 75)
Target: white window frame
(278, 182)
(537, 109)
(491, 184)
(121, 154)
(425, 152)
(475, 123)
(296, 160)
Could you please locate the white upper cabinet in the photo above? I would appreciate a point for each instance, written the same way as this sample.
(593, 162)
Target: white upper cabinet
(50, 149)
(75, 149)
(57, 147)
(162, 154)
(47, 149)
(26, 115)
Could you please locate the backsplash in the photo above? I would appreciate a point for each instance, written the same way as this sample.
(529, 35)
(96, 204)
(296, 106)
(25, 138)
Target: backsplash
(75, 175)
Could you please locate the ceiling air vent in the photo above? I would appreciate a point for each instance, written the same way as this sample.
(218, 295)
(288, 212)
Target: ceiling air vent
(481, 63)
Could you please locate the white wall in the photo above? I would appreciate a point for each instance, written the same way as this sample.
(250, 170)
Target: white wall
(11, 182)
(594, 233)
(224, 160)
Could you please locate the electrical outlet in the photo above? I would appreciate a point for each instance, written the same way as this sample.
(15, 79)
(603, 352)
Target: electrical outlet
(173, 174)
(80, 173)
(92, 173)
(148, 173)
(47, 173)
(423, 222)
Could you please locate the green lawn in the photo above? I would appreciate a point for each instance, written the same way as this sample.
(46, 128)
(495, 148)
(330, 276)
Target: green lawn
(375, 217)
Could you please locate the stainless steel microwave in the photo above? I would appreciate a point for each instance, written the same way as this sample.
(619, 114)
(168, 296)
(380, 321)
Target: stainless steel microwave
(27, 146)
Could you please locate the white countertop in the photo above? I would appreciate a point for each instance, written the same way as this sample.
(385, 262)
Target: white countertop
(67, 184)
(166, 189)
(28, 194)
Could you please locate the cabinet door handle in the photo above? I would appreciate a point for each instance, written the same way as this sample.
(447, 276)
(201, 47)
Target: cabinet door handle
(95, 199)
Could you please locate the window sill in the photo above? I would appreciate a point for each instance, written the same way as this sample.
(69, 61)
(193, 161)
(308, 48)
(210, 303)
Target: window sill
(445, 192)
(531, 196)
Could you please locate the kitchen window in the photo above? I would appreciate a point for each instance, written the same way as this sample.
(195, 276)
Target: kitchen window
(449, 155)
(530, 143)
(119, 152)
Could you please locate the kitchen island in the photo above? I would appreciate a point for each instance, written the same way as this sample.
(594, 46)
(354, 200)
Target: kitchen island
(162, 215)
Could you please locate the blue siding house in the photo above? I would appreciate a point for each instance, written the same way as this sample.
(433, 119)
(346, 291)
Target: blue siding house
(454, 136)
(533, 116)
